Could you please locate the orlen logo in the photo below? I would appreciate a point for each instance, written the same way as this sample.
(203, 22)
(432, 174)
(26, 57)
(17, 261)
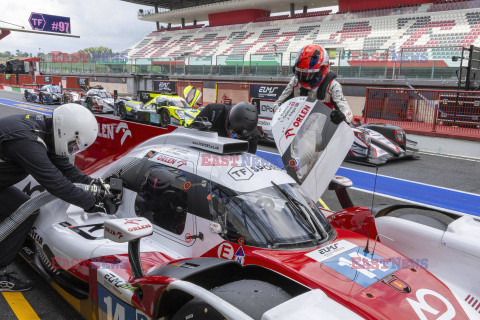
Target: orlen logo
(107, 131)
(118, 234)
(145, 226)
(132, 221)
(298, 121)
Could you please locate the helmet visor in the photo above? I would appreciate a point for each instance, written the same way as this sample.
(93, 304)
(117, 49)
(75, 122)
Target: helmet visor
(306, 75)
(74, 147)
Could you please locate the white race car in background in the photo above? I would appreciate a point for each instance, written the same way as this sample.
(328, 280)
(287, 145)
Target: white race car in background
(377, 144)
(374, 144)
(98, 99)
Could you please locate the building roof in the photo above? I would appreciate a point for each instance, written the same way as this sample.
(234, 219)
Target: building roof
(199, 10)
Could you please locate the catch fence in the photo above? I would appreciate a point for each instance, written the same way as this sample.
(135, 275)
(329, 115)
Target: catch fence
(447, 113)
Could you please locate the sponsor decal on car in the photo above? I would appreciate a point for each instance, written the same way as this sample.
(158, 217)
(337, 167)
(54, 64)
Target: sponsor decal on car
(117, 234)
(225, 251)
(240, 173)
(115, 302)
(240, 255)
(349, 260)
(331, 250)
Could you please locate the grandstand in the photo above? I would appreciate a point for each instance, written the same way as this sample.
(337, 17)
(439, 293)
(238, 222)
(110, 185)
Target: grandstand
(438, 26)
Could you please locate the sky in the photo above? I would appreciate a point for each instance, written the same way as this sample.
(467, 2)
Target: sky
(110, 23)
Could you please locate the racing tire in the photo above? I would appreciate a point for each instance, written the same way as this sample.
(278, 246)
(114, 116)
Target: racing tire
(164, 117)
(41, 99)
(122, 112)
(253, 297)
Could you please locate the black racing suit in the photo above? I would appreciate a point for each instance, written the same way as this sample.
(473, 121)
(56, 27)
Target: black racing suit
(217, 114)
(24, 150)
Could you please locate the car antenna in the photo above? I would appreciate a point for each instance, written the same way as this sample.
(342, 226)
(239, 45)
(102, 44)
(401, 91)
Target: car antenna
(371, 210)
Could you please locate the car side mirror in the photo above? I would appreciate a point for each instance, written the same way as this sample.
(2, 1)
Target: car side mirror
(129, 230)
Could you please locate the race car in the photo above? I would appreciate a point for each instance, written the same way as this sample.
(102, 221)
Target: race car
(97, 99)
(48, 94)
(70, 96)
(378, 144)
(235, 237)
(158, 109)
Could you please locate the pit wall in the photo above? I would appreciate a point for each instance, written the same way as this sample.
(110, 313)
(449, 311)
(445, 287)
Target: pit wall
(212, 91)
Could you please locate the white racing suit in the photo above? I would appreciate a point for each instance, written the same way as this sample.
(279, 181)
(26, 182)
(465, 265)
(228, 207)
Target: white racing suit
(329, 91)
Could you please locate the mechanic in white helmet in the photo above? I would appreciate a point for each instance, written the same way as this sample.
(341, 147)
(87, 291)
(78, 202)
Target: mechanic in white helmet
(313, 78)
(39, 146)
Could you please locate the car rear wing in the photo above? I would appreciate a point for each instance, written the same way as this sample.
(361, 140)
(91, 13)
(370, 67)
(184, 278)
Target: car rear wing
(145, 96)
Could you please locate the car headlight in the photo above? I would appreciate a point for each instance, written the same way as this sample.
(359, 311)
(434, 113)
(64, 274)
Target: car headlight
(400, 136)
(365, 137)
(180, 114)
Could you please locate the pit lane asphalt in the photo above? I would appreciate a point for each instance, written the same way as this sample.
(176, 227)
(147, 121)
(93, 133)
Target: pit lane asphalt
(446, 172)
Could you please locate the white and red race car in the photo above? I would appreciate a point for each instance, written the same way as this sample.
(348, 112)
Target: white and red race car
(240, 238)
(374, 144)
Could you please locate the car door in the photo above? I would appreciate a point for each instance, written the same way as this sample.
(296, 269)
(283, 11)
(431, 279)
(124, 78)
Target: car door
(311, 146)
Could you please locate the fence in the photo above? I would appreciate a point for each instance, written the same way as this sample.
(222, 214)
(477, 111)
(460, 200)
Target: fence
(437, 112)
(417, 63)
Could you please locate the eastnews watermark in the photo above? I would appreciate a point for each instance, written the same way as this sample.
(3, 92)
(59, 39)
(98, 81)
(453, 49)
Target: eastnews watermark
(389, 264)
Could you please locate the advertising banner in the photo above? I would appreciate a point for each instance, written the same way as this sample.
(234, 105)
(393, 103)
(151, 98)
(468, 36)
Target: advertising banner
(266, 92)
(164, 86)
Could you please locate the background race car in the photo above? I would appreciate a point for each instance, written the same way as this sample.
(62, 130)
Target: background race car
(158, 109)
(379, 143)
(48, 94)
(98, 99)
(70, 96)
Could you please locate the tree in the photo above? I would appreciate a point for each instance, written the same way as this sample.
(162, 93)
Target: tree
(96, 49)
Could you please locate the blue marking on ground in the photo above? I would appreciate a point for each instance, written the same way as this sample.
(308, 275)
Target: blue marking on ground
(409, 190)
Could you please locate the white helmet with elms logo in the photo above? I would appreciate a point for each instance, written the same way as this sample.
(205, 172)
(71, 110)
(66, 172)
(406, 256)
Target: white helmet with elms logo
(74, 129)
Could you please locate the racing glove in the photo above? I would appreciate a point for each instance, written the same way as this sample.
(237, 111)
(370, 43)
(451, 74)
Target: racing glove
(104, 200)
(303, 91)
(337, 116)
(275, 107)
(107, 204)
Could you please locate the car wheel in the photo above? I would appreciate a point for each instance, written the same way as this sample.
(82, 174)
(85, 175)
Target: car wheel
(42, 99)
(164, 117)
(243, 294)
(122, 112)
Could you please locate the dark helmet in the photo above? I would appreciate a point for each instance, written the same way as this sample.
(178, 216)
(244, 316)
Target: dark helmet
(158, 181)
(242, 119)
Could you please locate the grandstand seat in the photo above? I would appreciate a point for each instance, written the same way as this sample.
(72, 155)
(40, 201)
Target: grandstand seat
(394, 28)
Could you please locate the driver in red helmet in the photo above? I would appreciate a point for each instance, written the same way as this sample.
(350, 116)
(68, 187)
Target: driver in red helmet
(313, 78)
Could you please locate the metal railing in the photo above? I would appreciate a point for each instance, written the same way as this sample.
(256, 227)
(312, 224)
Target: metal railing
(440, 112)
(408, 63)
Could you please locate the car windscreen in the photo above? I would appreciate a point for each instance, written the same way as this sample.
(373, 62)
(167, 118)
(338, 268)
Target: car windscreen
(104, 94)
(181, 103)
(54, 89)
(272, 217)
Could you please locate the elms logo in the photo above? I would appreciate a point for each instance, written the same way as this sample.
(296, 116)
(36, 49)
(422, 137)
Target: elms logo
(268, 90)
(108, 131)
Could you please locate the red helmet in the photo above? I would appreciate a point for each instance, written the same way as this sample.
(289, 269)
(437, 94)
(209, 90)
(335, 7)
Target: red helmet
(311, 65)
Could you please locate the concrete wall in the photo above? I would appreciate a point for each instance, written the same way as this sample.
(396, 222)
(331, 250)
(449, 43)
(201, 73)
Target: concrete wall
(356, 104)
